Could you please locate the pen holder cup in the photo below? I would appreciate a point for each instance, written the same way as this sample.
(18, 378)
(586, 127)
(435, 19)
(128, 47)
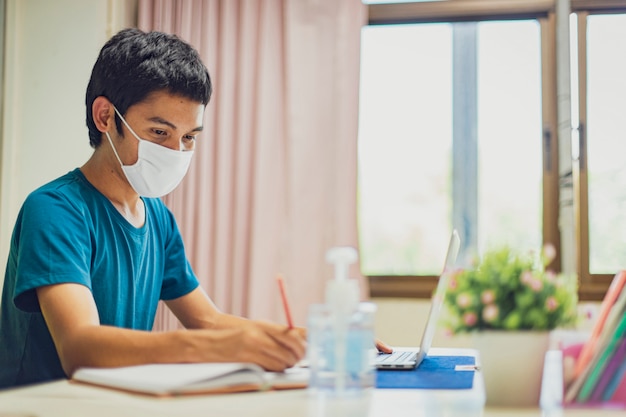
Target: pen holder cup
(341, 350)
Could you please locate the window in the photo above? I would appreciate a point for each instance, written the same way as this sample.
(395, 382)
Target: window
(602, 173)
(458, 129)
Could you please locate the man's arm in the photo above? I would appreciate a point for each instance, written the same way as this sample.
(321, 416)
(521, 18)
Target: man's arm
(72, 318)
(197, 311)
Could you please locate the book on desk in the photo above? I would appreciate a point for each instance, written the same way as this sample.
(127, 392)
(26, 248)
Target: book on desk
(176, 379)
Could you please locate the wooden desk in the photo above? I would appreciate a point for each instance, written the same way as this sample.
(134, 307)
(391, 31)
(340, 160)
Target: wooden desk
(65, 399)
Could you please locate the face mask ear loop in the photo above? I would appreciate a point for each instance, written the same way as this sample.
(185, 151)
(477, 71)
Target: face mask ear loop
(126, 124)
(114, 151)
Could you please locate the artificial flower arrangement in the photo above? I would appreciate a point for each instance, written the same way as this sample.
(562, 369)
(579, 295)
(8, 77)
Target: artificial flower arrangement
(506, 290)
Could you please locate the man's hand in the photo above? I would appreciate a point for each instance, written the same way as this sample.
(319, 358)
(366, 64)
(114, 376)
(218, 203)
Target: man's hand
(383, 347)
(271, 346)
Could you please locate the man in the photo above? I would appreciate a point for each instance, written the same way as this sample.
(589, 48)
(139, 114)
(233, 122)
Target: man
(93, 251)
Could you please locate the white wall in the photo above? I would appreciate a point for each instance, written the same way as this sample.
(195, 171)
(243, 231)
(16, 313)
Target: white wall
(400, 322)
(51, 47)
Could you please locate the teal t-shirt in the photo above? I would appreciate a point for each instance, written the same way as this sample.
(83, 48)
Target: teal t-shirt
(68, 232)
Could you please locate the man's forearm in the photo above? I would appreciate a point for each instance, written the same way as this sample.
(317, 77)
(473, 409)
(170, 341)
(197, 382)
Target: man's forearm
(105, 346)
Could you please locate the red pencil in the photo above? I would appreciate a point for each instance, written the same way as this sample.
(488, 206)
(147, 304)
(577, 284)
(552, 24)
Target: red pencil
(283, 296)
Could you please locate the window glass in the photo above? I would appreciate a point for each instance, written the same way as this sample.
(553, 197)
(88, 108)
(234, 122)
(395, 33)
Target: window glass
(405, 143)
(509, 135)
(405, 140)
(606, 147)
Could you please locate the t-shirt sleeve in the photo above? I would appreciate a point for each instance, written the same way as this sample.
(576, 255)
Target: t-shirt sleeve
(178, 278)
(53, 246)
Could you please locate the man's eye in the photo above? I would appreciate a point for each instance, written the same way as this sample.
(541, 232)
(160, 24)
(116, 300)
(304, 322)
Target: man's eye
(159, 132)
(189, 137)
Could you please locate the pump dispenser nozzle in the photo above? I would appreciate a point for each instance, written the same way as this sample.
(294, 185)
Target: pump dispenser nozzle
(341, 257)
(342, 294)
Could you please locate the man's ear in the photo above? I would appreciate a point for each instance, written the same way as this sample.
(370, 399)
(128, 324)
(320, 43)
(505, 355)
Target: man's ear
(103, 114)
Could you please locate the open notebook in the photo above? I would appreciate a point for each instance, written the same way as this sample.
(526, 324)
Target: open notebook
(172, 379)
(409, 359)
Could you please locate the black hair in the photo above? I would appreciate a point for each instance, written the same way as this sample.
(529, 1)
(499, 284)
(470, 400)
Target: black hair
(133, 64)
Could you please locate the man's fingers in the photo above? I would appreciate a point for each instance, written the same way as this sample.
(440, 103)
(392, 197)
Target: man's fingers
(383, 347)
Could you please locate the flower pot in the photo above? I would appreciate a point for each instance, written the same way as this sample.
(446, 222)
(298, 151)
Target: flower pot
(512, 365)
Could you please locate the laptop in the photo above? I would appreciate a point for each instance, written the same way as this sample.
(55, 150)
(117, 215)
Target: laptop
(411, 358)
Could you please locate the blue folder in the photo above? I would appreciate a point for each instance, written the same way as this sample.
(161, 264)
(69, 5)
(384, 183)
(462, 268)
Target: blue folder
(435, 372)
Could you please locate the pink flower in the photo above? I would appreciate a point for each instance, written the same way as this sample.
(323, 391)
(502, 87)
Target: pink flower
(535, 284)
(551, 303)
(464, 300)
(531, 281)
(490, 313)
(469, 318)
(549, 252)
(488, 297)
(526, 277)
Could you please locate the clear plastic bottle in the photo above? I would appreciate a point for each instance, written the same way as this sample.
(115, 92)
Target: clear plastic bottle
(341, 334)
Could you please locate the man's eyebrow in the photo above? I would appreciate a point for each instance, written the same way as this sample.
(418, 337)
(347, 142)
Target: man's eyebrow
(162, 121)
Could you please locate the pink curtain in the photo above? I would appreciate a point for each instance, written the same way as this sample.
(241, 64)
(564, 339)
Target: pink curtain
(273, 181)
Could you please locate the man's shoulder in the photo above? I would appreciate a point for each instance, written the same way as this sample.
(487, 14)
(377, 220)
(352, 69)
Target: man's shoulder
(67, 183)
(69, 193)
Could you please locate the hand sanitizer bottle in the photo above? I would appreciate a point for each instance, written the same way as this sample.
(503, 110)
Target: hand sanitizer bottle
(341, 333)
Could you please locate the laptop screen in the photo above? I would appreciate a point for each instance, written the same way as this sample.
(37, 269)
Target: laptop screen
(438, 295)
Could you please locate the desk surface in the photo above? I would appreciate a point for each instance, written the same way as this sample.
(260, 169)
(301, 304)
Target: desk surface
(65, 399)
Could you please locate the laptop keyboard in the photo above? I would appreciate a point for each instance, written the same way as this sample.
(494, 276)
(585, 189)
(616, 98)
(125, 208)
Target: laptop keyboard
(395, 357)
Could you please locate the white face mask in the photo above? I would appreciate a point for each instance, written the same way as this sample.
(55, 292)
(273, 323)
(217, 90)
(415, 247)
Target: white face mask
(158, 169)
